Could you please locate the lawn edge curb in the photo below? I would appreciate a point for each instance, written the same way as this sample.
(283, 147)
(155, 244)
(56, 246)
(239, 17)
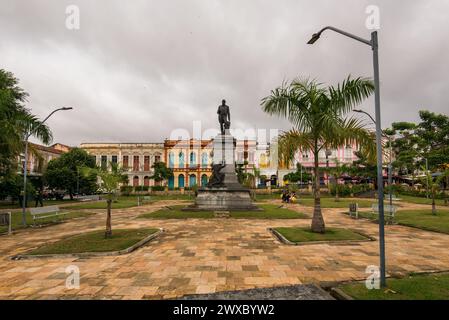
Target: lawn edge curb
(284, 240)
(92, 254)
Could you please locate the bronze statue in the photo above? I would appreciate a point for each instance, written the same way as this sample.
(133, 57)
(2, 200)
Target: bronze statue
(224, 116)
(217, 177)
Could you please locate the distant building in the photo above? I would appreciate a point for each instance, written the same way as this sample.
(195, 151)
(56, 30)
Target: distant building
(136, 159)
(39, 156)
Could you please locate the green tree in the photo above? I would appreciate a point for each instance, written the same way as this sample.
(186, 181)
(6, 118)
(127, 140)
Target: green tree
(296, 176)
(434, 185)
(318, 115)
(433, 131)
(161, 172)
(110, 181)
(63, 173)
(16, 122)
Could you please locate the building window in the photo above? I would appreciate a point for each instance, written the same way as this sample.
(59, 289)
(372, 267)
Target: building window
(348, 152)
(114, 159)
(146, 181)
(181, 160)
(125, 162)
(171, 160)
(204, 160)
(135, 181)
(251, 157)
(146, 163)
(104, 162)
(136, 163)
(157, 158)
(192, 159)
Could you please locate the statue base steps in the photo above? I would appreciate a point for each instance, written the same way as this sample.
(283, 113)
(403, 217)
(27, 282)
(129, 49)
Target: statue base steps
(223, 199)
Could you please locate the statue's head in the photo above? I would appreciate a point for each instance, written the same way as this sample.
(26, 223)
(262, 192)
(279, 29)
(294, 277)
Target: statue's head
(223, 102)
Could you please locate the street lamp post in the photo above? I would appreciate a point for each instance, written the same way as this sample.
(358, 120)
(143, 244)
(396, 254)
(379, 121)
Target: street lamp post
(25, 171)
(374, 44)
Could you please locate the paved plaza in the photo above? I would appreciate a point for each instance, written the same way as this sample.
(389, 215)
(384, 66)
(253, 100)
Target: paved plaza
(203, 256)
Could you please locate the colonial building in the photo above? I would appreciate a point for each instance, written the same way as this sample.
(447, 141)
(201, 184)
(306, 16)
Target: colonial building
(191, 160)
(39, 156)
(136, 159)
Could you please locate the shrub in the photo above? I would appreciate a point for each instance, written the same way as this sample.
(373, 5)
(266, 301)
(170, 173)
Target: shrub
(126, 190)
(157, 188)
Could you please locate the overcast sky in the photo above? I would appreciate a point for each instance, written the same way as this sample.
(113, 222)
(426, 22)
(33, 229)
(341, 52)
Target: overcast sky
(136, 70)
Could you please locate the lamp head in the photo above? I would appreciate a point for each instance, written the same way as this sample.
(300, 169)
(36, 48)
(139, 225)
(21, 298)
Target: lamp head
(314, 38)
(66, 108)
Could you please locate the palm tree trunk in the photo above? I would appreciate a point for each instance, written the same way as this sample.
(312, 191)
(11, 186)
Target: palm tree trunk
(317, 220)
(108, 232)
(337, 197)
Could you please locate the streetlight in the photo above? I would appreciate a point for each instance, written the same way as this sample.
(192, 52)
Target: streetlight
(374, 44)
(390, 165)
(27, 136)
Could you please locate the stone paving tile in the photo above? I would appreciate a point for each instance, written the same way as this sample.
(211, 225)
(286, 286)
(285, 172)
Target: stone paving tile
(199, 256)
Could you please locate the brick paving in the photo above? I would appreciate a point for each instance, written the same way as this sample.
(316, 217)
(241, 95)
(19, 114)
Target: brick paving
(199, 256)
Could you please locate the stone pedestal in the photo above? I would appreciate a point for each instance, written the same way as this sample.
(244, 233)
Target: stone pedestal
(232, 196)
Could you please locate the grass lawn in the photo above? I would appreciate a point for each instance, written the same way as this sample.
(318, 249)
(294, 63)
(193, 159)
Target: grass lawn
(269, 212)
(298, 235)
(16, 205)
(17, 219)
(96, 242)
(423, 219)
(416, 287)
(331, 203)
(418, 200)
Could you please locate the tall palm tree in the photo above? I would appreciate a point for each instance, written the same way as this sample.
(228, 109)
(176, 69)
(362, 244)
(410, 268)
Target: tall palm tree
(16, 121)
(318, 115)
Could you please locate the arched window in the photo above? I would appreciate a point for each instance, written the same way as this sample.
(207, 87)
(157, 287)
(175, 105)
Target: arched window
(181, 181)
(181, 160)
(146, 181)
(192, 159)
(171, 160)
(204, 159)
(135, 181)
(192, 180)
(204, 180)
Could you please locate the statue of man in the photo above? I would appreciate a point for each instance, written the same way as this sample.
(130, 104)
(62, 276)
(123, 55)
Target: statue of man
(224, 116)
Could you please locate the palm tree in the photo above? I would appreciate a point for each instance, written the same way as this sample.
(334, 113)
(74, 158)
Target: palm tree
(434, 186)
(16, 122)
(109, 182)
(317, 114)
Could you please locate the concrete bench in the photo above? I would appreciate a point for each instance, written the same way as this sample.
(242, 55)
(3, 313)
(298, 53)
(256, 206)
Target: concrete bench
(389, 211)
(45, 212)
(5, 220)
(94, 197)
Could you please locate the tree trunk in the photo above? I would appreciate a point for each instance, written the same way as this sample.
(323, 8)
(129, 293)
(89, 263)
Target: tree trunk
(108, 232)
(434, 209)
(317, 220)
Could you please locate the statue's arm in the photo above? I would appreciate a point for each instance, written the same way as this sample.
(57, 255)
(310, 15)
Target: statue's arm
(218, 110)
(229, 115)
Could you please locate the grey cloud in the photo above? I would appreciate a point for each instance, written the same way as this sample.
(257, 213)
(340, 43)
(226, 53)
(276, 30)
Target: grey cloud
(138, 69)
